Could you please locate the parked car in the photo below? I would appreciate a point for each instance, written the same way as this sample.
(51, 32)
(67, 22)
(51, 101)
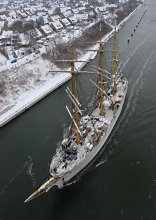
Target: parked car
(13, 61)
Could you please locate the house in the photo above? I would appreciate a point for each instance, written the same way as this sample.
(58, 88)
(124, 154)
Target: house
(12, 14)
(101, 9)
(3, 17)
(56, 25)
(82, 9)
(66, 14)
(46, 30)
(23, 15)
(38, 33)
(82, 17)
(45, 18)
(110, 6)
(35, 33)
(75, 11)
(65, 22)
(5, 37)
(73, 19)
(91, 16)
(10, 21)
(55, 17)
(14, 39)
(24, 40)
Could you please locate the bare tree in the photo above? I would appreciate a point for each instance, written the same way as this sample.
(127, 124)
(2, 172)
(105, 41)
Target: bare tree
(17, 26)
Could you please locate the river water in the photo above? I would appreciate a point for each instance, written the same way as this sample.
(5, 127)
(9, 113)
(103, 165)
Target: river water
(121, 184)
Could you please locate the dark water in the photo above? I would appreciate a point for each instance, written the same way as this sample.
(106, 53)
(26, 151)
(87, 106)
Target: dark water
(123, 187)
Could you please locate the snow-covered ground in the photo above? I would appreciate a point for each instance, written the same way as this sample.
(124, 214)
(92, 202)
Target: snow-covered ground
(35, 82)
(3, 59)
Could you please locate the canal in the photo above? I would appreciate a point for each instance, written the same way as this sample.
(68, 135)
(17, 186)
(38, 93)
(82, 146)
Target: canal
(121, 184)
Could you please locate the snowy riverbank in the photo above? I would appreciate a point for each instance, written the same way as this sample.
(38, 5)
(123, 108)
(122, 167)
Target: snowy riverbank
(29, 98)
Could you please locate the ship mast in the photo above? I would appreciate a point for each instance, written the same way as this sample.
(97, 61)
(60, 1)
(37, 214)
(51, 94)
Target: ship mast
(75, 107)
(101, 72)
(101, 78)
(115, 60)
(73, 72)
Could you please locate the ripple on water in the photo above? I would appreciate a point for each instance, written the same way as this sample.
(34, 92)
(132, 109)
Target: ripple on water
(26, 167)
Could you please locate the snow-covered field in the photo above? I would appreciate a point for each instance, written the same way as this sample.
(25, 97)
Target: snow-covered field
(22, 87)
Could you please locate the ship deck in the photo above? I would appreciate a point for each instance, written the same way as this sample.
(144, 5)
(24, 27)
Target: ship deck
(108, 113)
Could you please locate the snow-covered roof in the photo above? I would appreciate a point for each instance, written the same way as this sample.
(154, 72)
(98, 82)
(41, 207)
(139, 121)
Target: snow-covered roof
(55, 17)
(82, 8)
(39, 14)
(24, 39)
(28, 13)
(12, 13)
(57, 25)
(67, 13)
(122, 1)
(91, 13)
(45, 19)
(10, 21)
(33, 17)
(18, 11)
(107, 16)
(76, 11)
(50, 11)
(73, 19)
(101, 9)
(63, 9)
(111, 6)
(82, 16)
(65, 21)
(47, 29)
(39, 34)
(62, 5)
(6, 34)
(3, 17)
(24, 15)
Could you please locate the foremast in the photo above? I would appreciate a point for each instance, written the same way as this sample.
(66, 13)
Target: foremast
(76, 111)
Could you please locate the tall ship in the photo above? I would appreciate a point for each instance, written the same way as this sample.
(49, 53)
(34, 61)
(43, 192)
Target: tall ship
(89, 133)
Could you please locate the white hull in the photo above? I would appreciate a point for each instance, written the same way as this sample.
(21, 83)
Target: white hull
(89, 157)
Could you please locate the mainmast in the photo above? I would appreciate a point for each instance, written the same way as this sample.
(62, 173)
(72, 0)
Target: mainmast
(115, 60)
(101, 73)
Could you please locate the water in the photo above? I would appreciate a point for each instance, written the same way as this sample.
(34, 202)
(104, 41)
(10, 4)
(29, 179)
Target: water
(121, 184)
